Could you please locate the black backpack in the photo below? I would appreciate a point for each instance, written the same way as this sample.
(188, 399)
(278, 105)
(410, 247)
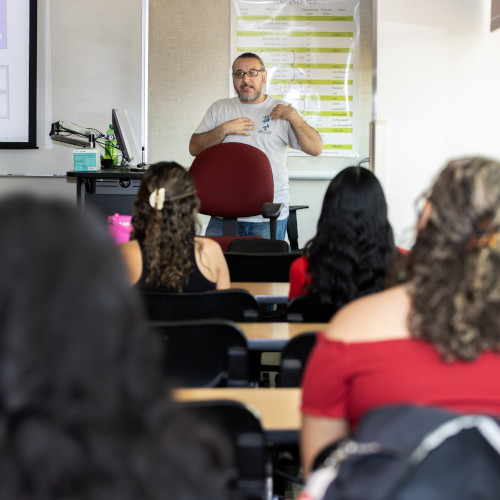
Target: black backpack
(413, 453)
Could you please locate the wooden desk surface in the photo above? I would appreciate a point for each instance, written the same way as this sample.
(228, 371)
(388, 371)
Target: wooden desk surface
(267, 292)
(279, 331)
(278, 409)
(273, 336)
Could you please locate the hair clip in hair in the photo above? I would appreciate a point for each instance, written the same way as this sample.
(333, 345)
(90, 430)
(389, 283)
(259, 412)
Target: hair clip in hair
(157, 198)
(486, 240)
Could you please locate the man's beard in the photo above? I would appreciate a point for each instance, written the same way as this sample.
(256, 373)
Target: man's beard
(249, 98)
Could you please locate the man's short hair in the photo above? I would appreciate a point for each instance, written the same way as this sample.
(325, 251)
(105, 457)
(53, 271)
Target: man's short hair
(250, 55)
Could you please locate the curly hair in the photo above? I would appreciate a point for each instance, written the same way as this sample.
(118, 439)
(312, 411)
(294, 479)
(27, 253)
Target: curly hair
(454, 279)
(83, 409)
(167, 233)
(351, 252)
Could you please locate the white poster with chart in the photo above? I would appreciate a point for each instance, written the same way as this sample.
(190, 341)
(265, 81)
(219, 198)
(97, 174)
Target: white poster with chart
(311, 52)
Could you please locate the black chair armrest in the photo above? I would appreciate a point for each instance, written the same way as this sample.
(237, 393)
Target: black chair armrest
(271, 210)
(293, 234)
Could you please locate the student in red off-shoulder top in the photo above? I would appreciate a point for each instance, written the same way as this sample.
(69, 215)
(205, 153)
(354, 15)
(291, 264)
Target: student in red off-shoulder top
(433, 340)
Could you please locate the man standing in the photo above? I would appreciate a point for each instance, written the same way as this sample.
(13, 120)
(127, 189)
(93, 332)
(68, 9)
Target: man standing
(259, 120)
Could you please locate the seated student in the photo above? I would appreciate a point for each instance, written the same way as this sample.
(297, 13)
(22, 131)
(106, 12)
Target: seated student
(164, 252)
(83, 408)
(352, 250)
(433, 340)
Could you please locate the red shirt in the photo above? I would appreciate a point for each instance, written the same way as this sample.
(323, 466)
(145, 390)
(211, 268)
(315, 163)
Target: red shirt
(298, 277)
(345, 380)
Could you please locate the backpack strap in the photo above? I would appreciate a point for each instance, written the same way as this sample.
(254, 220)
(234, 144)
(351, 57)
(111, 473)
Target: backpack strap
(487, 426)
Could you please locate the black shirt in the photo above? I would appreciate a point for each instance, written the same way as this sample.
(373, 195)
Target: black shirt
(196, 283)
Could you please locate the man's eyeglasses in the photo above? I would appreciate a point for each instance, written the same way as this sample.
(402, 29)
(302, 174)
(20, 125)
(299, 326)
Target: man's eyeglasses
(252, 73)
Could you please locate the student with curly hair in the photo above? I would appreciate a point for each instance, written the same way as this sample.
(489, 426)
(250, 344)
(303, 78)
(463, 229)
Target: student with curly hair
(164, 252)
(84, 413)
(433, 340)
(352, 250)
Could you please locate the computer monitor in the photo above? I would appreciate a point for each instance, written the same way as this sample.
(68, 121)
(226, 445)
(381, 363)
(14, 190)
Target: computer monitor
(123, 133)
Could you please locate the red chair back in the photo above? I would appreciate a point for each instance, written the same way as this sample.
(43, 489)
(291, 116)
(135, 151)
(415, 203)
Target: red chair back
(232, 180)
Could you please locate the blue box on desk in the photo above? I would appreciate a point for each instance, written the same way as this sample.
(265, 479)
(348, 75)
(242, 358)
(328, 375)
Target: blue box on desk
(86, 160)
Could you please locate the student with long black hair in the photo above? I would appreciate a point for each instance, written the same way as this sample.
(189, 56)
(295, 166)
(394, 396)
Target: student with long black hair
(351, 253)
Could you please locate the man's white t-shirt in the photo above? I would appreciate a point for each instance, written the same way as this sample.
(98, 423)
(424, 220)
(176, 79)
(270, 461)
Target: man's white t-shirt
(270, 136)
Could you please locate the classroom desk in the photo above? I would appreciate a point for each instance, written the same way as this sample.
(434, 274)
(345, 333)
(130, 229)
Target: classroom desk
(109, 191)
(265, 293)
(278, 409)
(273, 336)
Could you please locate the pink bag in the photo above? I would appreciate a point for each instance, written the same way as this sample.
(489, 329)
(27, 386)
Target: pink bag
(120, 227)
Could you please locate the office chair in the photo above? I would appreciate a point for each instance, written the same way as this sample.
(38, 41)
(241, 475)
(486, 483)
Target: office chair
(204, 353)
(260, 267)
(260, 261)
(225, 241)
(309, 309)
(235, 180)
(252, 474)
(293, 359)
(258, 245)
(291, 227)
(294, 355)
(231, 304)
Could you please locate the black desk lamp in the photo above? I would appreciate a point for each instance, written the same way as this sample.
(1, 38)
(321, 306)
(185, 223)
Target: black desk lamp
(69, 133)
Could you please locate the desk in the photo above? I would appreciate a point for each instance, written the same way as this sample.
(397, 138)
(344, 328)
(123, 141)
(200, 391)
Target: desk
(109, 191)
(279, 409)
(273, 336)
(265, 293)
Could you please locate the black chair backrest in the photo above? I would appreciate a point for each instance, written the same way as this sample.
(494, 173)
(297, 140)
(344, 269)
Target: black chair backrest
(309, 309)
(294, 357)
(232, 304)
(260, 267)
(258, 245)
(204, 353)
(244, 431)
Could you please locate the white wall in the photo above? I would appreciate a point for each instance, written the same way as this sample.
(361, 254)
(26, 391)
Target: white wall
(311, 193)
(438, 90)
